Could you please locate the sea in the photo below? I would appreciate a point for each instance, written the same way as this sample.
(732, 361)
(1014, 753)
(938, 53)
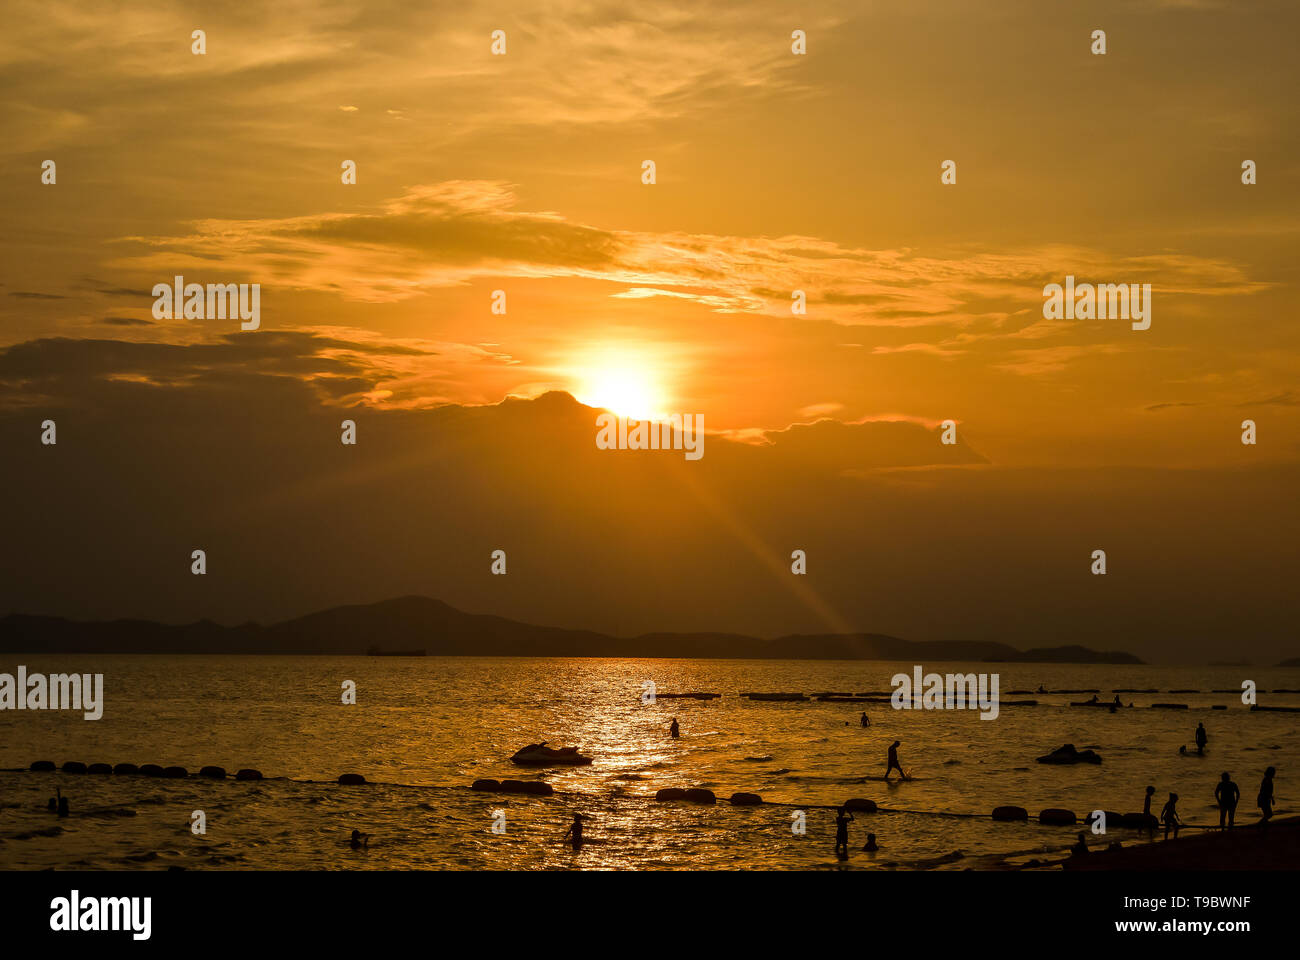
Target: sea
(423, 729)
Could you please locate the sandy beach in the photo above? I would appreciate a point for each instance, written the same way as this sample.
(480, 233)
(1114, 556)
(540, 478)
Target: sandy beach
(1245, 848)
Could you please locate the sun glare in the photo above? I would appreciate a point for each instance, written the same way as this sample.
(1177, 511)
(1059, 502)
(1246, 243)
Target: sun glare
(623, 387)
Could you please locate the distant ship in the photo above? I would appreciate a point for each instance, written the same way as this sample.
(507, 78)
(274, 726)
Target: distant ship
(376, 652)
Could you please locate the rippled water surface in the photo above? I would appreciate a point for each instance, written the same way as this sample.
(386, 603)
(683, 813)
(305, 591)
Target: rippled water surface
(424, 728)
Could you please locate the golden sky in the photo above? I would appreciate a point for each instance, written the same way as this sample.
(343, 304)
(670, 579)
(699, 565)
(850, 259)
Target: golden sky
(775, 172)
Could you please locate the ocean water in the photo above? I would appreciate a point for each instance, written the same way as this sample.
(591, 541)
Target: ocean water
(424, 728)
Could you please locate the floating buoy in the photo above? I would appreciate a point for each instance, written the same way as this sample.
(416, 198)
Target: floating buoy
(99, 768)
(1136, 821)
(1057, 817)
(150, 770)
(486, 785)
(1010, 813)
(176, 773)
(122, 769)
(745, 800)
(671, 793)
(42, 766)
(700, 795)
(249, 775)
(860, 804)
(1168, 706)
(216, 773)
(74, 766)
(351, 779)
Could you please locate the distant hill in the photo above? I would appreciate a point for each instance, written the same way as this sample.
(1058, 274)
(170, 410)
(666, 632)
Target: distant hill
(1070, 654)
(422, 623)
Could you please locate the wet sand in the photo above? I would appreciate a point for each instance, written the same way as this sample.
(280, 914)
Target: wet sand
(1245, 848)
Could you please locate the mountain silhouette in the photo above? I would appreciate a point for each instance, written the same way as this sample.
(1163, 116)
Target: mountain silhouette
(438, 629)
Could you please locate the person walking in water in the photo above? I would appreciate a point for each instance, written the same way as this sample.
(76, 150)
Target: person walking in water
(893, 762)
(674, 731)
(865, 721)
(1201, 739)
(1227, 794)
(575, 828)
(1265, 799)
(1169, 816)
(842, 819)
(1147, 817)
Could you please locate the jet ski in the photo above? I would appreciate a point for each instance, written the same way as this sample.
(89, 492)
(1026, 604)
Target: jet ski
(540, 755)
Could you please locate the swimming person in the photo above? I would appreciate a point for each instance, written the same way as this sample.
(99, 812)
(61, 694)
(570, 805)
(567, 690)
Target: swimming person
(870, 845)
(1201, 739)
(359, 840)
(1227, 794)
(674, 731)
(1169, 816)
(575, 828)
(53, 805)
(1265, 799)
(865, 721)
(893, 762)
(842, 819)
(1080, 848)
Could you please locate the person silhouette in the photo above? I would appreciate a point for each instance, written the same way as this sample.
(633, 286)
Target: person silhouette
(1095, 699)
(674, 730)
(870, 845)
(893, 762)
(865, 721)
(842, 819)
(1201, 739)
(1169, 816)
(1147, 818)
(53, 805)
(1080, 848)
(575, 828)
(359, 840)
(1116, 701)
(1265, 799)
(1227, 794)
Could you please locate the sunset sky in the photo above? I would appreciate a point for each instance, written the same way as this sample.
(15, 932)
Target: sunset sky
(775, 172)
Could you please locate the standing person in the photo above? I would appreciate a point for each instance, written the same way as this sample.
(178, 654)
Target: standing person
(1227, 794)
(1201, 739)
(1169, 816)
(1147, 818)
(674, 731)
(865, 721)
(893, 762)
(575, 828)
(842, 819)
(1265, 799)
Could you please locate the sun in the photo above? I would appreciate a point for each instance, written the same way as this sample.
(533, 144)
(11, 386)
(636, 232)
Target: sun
(623, 386)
